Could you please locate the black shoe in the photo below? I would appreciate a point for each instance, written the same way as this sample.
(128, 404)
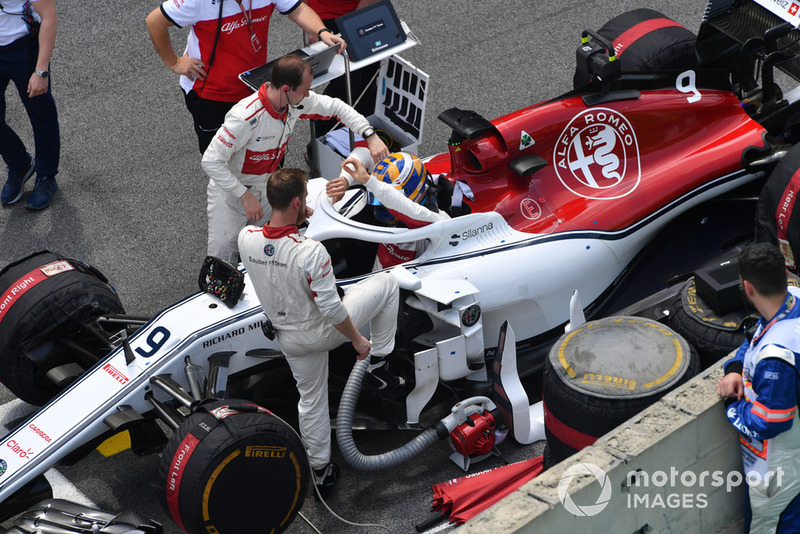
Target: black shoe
(42, 193)
(379, 378)
(325, 480)
(15, 185)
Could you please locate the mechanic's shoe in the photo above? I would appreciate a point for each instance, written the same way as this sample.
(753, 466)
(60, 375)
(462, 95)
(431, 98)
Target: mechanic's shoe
(42, 193)
(13, 189)
(379, 378)
(325, 480)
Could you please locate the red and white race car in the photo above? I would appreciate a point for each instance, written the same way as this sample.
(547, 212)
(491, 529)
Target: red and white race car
(552, 206)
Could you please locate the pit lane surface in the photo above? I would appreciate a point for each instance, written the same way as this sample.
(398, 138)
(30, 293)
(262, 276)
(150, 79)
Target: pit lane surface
(132, 193)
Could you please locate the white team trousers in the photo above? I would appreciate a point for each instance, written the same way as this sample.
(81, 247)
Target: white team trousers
(226, 218)
(374, 301)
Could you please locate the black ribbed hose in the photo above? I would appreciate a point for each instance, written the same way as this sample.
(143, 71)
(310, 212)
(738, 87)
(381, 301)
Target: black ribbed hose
(344, 431)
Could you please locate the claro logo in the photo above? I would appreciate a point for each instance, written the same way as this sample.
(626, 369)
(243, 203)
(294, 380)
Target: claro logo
(26, 453)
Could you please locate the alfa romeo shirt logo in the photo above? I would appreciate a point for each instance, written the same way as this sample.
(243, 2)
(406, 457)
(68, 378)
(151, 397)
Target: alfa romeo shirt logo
(269, 250)
(597, 155)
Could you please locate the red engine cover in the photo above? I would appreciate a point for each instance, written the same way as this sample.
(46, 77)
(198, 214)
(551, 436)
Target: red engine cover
(609, 165)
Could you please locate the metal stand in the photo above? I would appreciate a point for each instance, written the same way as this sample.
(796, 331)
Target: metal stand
(313, 129)
(344, 67)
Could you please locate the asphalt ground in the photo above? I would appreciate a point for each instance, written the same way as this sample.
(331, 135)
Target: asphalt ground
(132, 193)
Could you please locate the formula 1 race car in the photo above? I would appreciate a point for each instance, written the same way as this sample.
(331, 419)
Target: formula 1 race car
(555, 205)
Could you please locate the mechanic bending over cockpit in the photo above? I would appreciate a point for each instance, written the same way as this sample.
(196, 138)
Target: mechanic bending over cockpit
(402, 192)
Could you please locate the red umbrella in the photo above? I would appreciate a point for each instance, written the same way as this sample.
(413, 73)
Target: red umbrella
(465, 497)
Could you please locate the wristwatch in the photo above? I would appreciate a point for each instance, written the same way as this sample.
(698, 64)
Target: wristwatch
(368, 132)
(319, 33)
(42, 73)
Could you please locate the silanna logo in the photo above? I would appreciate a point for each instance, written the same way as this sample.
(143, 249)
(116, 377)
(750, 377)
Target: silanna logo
(597, 155)
(470, 233)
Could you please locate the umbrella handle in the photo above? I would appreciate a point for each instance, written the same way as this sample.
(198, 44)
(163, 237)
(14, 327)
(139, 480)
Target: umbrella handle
(430, 522)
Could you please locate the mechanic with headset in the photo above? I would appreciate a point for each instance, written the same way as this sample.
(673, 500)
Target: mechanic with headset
(252, 142)
(402, 192)
(293, 279)
(227, 37)
(27, 37)
(762, 389)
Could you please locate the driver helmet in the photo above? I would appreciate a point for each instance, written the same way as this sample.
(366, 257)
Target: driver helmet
(405, 172)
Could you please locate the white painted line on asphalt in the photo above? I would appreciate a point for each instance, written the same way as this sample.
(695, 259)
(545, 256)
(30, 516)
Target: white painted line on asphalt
(441, 528)
(62, 488)
(14, 410)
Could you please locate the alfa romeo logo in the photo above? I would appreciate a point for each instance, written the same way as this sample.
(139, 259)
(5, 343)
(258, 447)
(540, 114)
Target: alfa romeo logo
(269, 250)
(584, 469)
(597, 155)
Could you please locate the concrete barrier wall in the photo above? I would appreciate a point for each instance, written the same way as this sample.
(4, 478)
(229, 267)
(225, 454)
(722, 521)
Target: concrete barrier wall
(675, 467)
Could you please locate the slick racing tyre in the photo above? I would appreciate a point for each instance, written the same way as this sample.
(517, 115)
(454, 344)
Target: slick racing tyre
(712, 334)
(45, 302)
(233, 467)
(646, 40)
(604, 373)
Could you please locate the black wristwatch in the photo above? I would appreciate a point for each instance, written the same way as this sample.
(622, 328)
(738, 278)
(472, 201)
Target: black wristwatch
(42, 73)
(319, 33)
(368, 132)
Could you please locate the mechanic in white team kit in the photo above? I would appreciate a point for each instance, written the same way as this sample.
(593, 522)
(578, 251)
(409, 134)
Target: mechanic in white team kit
(401, 190)
(293, 279)
(251, 143)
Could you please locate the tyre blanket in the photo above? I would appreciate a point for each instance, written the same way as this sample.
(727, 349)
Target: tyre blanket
(46, 297)
(233, 465)
(645, 40)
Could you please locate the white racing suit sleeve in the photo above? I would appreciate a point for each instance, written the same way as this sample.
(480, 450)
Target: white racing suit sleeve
(413, 215)
(361, 153)
(325, 107)
(319, 270)
(231, 137)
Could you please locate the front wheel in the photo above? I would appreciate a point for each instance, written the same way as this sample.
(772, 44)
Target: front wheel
(52, 325)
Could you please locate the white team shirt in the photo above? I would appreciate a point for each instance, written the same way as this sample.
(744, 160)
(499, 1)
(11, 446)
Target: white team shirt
(12, 26)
